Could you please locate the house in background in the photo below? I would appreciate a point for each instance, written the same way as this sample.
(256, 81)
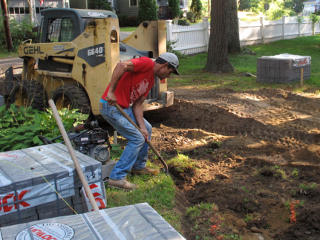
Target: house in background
(87, 4)
(311, 6)
(130, 7)
(19, 9)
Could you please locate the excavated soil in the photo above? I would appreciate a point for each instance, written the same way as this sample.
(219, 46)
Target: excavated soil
(257, 158)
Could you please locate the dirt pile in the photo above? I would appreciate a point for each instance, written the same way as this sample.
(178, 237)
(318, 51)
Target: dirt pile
(257, 159)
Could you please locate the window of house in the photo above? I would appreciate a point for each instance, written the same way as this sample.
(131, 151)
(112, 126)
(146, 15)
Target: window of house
(21, 10)
(133, 3)
(11, 10)
(60, 30)
(16, 10)
(26, 10)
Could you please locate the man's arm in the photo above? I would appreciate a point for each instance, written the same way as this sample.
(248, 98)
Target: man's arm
(119, 70)
(138, 113)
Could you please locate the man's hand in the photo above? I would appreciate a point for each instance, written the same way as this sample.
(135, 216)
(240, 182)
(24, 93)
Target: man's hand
(111, 98)
(145, 132)
(138, 113)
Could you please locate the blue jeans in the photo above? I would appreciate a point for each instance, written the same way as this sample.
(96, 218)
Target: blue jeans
(135, 154)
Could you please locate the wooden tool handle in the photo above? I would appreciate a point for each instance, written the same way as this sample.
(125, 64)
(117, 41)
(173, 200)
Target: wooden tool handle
(73, 156)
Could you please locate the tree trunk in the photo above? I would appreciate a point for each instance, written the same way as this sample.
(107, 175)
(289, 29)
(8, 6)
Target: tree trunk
(217, 60)
(6, 25)
(233, 27)
(30, 10)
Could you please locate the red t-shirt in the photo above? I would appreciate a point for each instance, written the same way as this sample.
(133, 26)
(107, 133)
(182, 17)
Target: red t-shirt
(133, 85)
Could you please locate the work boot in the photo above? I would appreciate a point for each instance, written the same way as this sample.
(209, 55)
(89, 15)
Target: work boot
(122, 183)
(145, 171)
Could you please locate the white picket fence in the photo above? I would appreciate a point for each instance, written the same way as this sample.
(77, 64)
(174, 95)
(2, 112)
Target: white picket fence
(195, 38)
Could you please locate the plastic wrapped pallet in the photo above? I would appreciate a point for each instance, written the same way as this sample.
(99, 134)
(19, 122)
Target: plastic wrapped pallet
(133, 222)
(41, 182)
(283, 68)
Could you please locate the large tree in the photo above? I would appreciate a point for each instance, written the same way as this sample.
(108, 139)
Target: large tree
(218, 60)
(233, 27)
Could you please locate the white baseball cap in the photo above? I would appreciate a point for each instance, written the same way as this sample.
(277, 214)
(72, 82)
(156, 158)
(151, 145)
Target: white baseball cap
(172, 59)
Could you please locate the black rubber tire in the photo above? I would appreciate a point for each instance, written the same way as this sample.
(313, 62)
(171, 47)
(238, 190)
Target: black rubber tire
(28, 93)
(72, 96)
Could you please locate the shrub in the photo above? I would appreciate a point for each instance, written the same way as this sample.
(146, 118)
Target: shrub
(196, 9)
(170, 46)
(128, 21)
(148, 10)
(20, 127)
(190, 17)
(277, 10)
(183, 22)
(19, 32)
(100, 4)
(314, 19)
(244, 5)
(174, 8)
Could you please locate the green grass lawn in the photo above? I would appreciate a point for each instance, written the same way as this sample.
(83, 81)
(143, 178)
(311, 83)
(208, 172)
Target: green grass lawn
(192, 73)
(127, 29)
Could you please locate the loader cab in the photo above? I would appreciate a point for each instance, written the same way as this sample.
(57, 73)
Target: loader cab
(65, 24)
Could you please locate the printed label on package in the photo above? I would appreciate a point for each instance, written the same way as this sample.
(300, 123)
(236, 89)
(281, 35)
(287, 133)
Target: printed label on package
(48, 231)
(35, 195)
(98, 195)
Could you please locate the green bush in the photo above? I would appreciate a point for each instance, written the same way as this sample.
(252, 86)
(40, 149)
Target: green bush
(183, 22)
(196, 9)
(295, 5)
(314, 18)
(100, 4)
(278, 9)
(174, 8)
(170, 49)
(148, 10)
(19, 32)
(128, 21)
(20, 127)
(248, 4)
(190, 17)
(273, 9)
(244, 5)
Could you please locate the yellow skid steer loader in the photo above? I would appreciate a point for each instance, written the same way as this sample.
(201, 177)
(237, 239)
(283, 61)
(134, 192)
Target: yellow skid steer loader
(73, 59)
